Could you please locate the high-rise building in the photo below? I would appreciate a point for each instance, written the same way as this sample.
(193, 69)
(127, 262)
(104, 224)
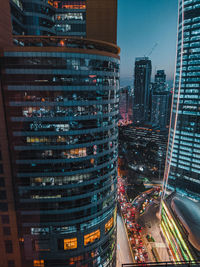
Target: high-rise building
(160, 101)
(92, 19)
(58, 134)
(142, 79)
(182, 172)
(125, 104)
(160, 81)
(180, 210)
(160, 109)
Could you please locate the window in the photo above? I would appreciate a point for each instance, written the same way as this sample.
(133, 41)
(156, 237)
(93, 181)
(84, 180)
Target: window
(2, 182)
(92, 237)
(109, 225)
(70, 243)
(6, 230)
(38, 263)
(8, 246)
(1, 168)
(41, 245)
(2, 194)
(3, 206)
(5, 219)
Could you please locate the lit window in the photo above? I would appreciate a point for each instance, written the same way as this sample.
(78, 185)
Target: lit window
(75, 259)
(109, 225)
(92, 237)
(38, 263)
(70, 243)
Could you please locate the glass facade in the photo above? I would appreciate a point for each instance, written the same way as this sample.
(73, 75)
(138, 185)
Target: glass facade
(62, 114)
(142, 78)
(182, 171)
(49, 17)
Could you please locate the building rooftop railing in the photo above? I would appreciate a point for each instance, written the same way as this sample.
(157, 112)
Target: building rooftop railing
(65, 42)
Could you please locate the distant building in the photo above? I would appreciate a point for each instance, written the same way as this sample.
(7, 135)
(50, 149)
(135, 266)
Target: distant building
(142, 79)
(125, 103)
(160, 101)
(160, 81)
(160, 109)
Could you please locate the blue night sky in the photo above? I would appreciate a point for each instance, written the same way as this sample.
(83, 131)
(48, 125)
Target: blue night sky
(141, 24)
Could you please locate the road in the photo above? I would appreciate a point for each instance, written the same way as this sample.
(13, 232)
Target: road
(123, 249)
(151, 224)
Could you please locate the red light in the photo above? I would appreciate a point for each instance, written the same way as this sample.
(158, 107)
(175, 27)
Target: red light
(62, 43)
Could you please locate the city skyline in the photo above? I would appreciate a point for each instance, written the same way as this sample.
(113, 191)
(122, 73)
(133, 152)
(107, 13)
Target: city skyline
(161, 16)
(94, 171)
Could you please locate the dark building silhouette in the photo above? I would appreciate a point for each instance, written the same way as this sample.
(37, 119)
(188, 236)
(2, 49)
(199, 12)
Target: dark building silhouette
(58, 133)
(142, 79)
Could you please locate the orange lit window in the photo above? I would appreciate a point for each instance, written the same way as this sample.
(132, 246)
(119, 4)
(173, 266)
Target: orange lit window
(50, 2)
(38, 263)
(70, 243)
(92, 237)
(75, 260)
(70, 5)
(109, 225)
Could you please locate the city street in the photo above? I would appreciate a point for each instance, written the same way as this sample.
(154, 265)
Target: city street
(150, 222)
(123, 249)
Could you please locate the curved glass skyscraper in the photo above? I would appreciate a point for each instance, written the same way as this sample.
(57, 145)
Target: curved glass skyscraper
(182, 171)
(59, 99)
(62, 114)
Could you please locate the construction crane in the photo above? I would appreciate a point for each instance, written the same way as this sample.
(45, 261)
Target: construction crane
(152, 49)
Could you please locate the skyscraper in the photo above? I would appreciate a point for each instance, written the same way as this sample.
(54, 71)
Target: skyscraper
(142, 79)
(160, 101)
(182, 172)
(180, 210)
(59, 111)
(125, 103)
(160, 81)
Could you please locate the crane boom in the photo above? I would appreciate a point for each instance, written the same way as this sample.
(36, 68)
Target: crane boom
(152, 49)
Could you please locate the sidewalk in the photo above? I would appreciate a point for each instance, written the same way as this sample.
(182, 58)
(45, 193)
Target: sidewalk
(124, 254)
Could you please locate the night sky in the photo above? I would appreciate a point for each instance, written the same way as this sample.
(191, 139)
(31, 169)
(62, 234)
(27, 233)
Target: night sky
(142, 24)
